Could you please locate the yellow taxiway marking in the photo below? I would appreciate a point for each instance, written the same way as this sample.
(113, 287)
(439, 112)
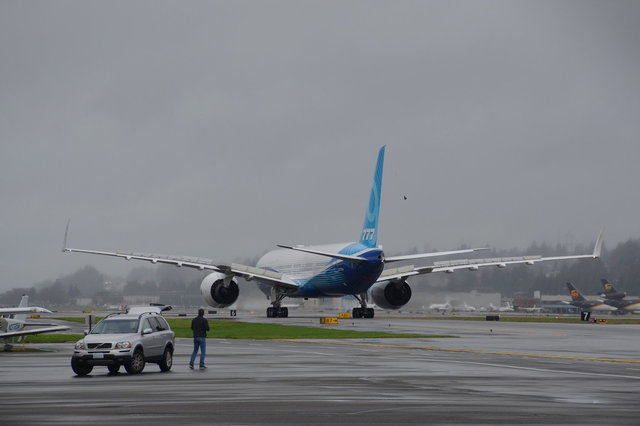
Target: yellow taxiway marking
(474, 351)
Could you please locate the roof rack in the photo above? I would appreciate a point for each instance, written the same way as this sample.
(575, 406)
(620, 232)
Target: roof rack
(127, 313)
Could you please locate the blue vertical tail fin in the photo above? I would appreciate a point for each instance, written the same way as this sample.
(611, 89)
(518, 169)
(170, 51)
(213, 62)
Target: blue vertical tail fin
(369, 236)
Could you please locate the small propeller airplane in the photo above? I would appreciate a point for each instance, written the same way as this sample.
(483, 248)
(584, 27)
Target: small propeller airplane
(13, 322)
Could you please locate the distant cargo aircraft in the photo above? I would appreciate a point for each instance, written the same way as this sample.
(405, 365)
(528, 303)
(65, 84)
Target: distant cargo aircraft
(358, 269)
(13, 322)
(585, 305)
(618, 299)
(610, 291)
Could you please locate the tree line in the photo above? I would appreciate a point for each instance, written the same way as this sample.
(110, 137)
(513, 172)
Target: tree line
(621, 266)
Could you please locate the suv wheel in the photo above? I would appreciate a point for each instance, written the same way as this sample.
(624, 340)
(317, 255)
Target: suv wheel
(167, 359)
(80, 367)
(135, 365)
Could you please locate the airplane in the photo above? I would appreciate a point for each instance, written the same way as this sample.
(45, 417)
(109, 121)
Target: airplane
(610, 291)
(507, 308)
(440, 307)
(14, 323)
(464, 307)
(359, 269)
(585, 305)
(617, 299)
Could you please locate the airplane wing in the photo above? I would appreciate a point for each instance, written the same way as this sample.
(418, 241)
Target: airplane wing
(189, 262)
(24, 310)
(475, 264)
(263, 275)
(33, 331)
(247, 272)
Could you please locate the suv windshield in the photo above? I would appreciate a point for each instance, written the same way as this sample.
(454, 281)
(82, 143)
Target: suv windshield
(116, 327)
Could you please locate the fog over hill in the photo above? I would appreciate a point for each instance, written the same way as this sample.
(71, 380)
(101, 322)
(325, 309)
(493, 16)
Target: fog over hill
(181, 286)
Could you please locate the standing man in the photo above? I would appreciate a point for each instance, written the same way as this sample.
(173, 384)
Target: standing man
(200, 326)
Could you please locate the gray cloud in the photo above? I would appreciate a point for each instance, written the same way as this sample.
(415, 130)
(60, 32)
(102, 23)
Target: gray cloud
(219, 129)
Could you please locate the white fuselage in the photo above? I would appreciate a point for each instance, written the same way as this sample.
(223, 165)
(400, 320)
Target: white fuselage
(297, 265)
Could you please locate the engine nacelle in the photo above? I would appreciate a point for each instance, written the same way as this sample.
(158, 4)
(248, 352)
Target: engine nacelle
(391, 295)
(216, 294)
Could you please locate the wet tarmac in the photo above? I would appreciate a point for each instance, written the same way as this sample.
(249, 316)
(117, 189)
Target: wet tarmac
(493, 373)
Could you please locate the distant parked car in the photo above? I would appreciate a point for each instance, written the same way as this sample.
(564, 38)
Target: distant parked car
(126, 339)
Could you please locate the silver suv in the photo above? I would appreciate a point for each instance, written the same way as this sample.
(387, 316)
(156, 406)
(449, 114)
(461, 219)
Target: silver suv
(141, 335)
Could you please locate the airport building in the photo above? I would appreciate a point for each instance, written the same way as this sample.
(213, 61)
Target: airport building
(141, 299)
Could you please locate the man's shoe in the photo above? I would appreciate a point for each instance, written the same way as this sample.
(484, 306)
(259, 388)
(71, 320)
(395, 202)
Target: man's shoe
(191, 366)
(203, 367)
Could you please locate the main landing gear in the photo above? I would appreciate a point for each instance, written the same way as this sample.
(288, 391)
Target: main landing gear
(276, 311)
(362, 311)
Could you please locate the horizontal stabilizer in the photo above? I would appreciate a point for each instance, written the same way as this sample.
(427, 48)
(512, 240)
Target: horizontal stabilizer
(346, 257)
(434, 254)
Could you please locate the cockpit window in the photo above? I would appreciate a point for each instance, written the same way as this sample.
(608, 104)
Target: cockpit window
(116, 327)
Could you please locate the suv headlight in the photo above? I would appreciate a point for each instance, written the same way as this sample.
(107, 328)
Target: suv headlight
(80, 344)
(123, 345)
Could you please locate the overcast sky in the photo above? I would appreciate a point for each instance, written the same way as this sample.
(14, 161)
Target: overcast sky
(221, 128)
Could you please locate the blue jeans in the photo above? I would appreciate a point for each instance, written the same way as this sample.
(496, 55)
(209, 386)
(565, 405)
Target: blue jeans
(199, 342)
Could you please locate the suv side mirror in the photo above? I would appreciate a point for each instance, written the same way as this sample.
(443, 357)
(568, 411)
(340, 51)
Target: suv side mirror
(147, 331)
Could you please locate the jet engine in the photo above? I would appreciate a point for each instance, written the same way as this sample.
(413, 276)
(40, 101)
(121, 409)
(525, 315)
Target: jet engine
(391, 295)
(216, 293)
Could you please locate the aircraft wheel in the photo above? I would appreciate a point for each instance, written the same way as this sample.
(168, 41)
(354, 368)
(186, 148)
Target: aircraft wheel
(369, 313)
(356, 313)
(283, 312)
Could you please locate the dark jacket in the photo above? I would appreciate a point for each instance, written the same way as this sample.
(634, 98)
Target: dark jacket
(200, 326)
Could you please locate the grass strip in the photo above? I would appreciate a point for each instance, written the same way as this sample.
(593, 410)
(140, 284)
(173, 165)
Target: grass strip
(246, 330)
(81, 320)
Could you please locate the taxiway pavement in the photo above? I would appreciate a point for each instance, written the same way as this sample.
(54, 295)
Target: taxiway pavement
(493, 373)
